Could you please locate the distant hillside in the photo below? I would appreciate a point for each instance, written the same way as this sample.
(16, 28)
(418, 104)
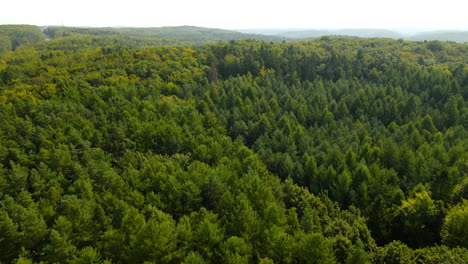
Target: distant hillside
(363, 33)
(181, 35)
(12, 36)
(315, 33)
(458, 36)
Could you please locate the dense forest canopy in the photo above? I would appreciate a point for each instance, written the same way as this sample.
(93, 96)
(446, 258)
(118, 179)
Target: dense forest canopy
(334, 150)
(12, 36)
(185, 35)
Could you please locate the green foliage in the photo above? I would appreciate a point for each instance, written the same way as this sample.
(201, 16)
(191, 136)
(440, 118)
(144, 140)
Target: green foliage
(419, 218)
(236, 250)
(314, 248)
(193, 258)
(13, 36)
(184, 35)
(328, 151)
(358, 255)
(441, 254)
(395, 253)
(454, 230)
(88, 255)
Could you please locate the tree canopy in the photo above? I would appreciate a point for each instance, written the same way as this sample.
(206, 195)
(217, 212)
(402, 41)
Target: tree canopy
(335, 150)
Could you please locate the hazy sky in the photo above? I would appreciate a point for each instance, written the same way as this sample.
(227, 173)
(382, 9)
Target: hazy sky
(237, 14)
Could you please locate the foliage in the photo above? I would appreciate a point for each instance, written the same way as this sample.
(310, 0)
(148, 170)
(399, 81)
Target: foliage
(12, 36)
(329, 151)
(186, 35)
(454, 229)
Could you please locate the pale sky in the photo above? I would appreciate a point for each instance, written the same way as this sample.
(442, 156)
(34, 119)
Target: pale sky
(240, 14)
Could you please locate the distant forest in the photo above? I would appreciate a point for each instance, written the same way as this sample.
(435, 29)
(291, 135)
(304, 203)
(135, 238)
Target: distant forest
(192, 145)
(443, 35)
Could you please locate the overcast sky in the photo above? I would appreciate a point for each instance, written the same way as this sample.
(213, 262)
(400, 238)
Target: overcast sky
(240, 14)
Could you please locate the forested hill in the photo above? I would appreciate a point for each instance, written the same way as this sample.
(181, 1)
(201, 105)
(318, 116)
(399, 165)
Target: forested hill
(185, 35)
(457, 36)
(460, 36)
(12, 36)
(362, 33)
(334, 150)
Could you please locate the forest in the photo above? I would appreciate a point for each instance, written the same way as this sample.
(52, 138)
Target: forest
(460, 36)
(132, 149)
(182, 35)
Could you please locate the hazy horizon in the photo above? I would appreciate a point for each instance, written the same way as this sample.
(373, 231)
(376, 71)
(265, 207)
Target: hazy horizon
(277, 30)
(242, 14)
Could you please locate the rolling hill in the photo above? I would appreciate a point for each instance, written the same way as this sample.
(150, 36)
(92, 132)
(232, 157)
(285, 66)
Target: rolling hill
(181, 34)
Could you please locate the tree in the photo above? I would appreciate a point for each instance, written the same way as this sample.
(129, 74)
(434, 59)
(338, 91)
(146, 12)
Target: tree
(88, 255)
(9, 237)
(418, 219)
(193, 258)
(428, 124)
(358, 255)
(395, 253)
(314, 248)
(156, 241)
(455, 228)
(60, 248)
(342, 189)
(207, 232)
(235, 250)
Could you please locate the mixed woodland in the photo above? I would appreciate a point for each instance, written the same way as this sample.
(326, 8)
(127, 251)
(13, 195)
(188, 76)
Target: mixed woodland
(140, 149)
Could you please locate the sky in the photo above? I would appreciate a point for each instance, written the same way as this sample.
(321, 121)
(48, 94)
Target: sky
(240, 14)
